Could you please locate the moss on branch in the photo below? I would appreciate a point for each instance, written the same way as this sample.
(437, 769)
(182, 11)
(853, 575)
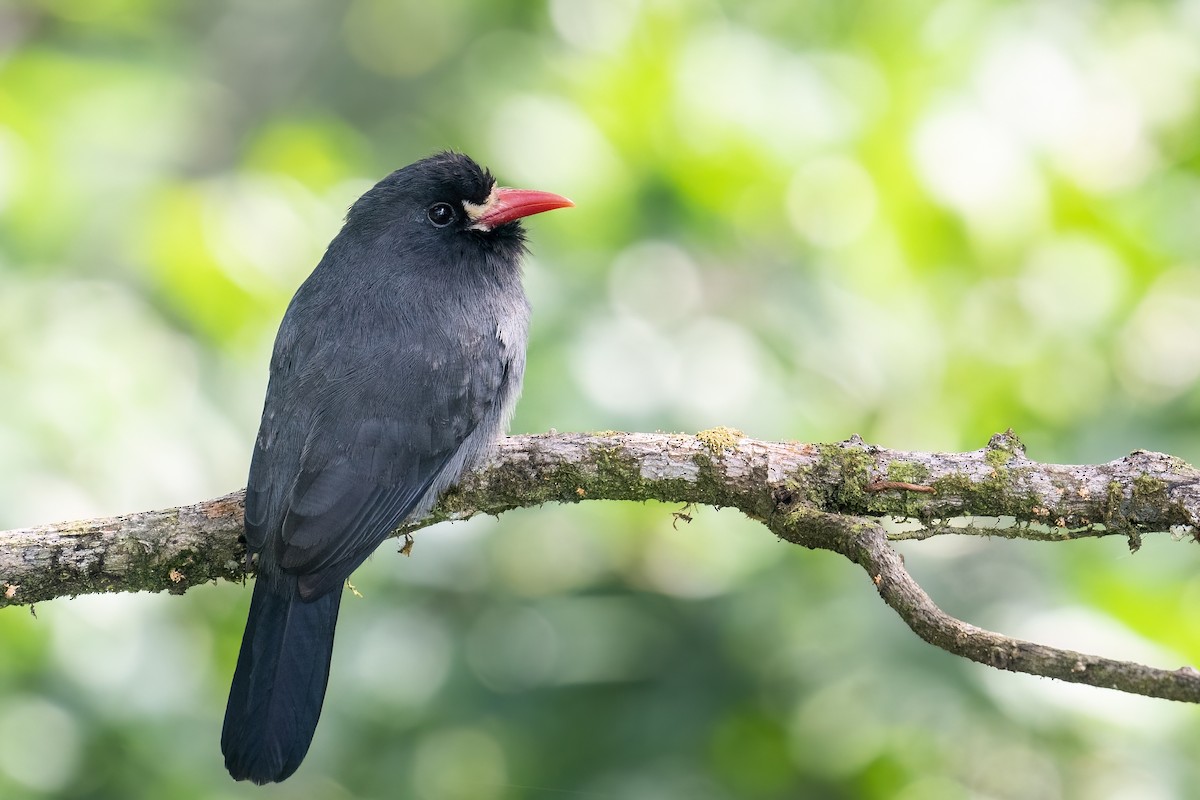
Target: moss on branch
(826, 496)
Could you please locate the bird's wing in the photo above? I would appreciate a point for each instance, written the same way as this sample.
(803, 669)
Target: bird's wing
(281, 436)
(380, 436)
(339, 511)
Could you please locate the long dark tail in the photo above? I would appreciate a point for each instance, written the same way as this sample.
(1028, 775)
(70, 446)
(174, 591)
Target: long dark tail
(279, 683)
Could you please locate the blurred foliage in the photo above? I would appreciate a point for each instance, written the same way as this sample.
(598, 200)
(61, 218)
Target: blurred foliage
(920, 221)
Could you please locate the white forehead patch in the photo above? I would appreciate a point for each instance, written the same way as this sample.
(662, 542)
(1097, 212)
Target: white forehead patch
(475, 210)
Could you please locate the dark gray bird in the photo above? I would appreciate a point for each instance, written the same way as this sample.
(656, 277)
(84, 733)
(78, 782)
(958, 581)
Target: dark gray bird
(395, 369)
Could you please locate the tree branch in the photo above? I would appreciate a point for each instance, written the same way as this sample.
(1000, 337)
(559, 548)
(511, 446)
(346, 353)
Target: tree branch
(865, 543)
(829, 497)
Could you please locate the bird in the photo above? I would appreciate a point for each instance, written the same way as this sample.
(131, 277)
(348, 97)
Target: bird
(395, 371)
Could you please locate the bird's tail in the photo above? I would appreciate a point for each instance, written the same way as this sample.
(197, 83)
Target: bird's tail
(279, 683)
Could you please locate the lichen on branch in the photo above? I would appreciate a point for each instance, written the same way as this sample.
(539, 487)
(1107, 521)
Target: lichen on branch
(822, 496)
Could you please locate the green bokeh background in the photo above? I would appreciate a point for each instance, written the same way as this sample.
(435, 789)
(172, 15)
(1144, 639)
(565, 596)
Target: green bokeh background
(919, 221)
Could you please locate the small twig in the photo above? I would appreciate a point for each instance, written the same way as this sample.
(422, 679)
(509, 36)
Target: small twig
(900, 486)
(900, 591)
(865, 543)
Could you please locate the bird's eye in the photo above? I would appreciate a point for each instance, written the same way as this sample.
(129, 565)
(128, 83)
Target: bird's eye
(441, 214)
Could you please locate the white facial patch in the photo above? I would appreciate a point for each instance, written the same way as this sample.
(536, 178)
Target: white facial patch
(477, 210)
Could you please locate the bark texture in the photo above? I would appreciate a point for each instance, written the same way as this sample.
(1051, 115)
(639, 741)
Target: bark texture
(821, 496)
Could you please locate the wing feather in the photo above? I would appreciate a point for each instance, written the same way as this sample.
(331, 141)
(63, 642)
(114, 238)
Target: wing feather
(366, 456)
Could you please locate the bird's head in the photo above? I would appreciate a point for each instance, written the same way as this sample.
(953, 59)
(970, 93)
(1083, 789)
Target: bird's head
(448, 199)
